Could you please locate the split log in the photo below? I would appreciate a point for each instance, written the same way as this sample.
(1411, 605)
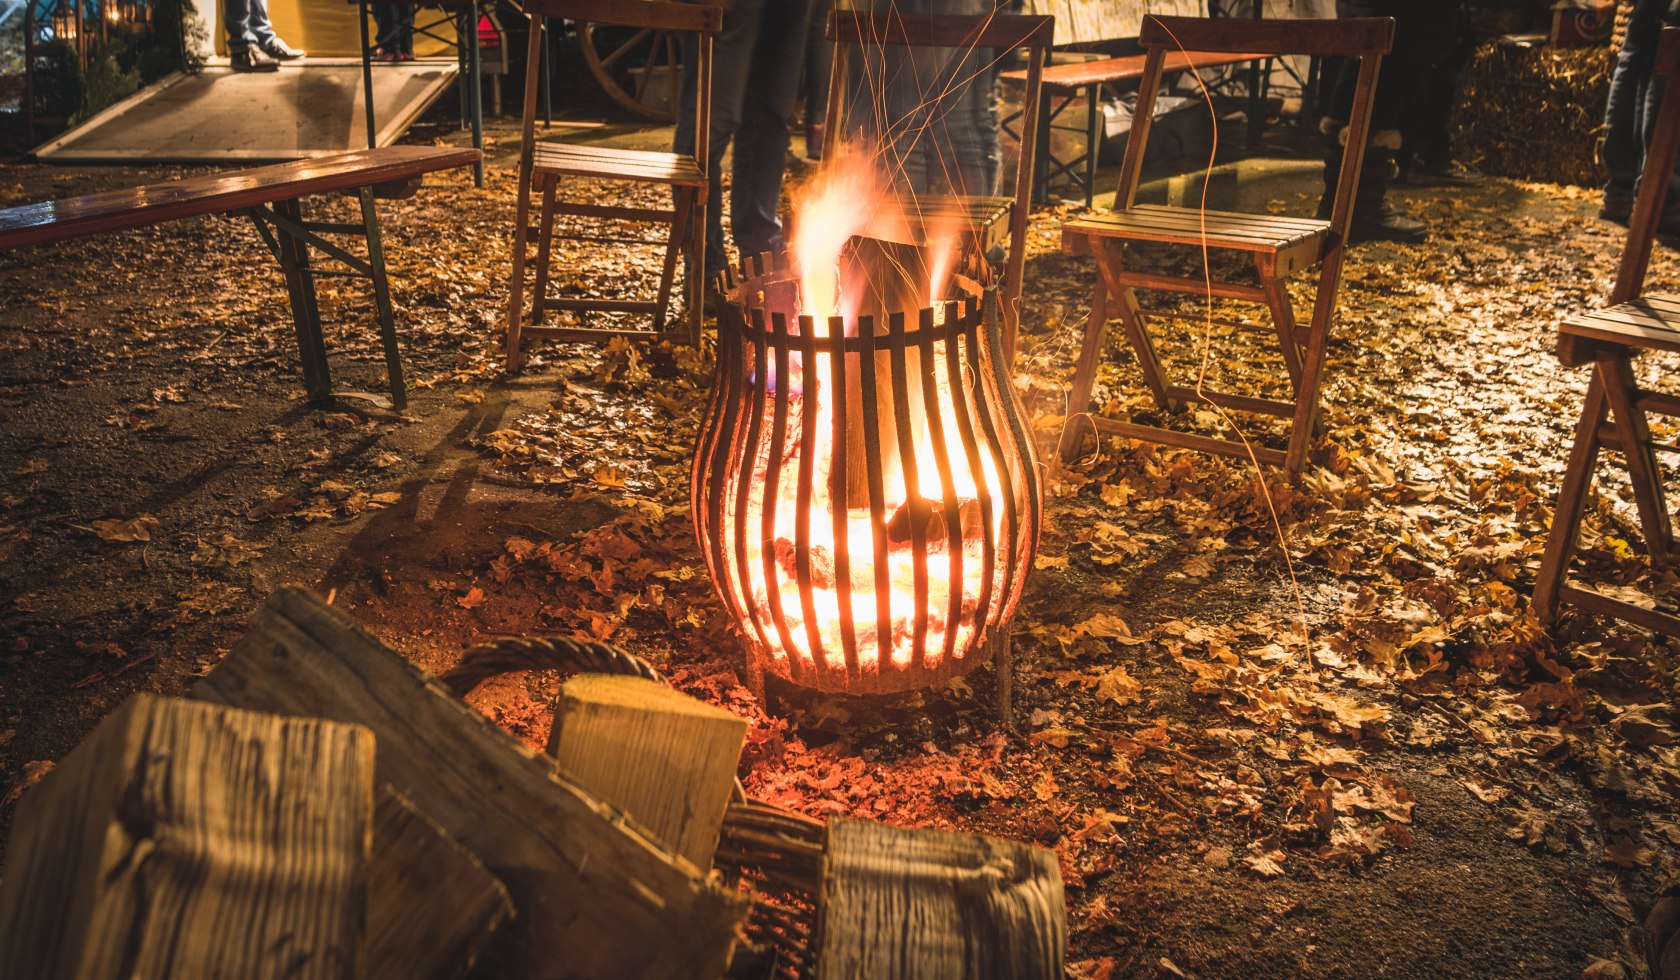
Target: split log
(191, 840)
(899, 904)
(595, 897)
(432, 906)
(666, 759)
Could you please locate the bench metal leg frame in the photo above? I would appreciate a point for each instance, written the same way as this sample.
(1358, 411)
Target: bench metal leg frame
(1080, 170)
(292, 240)
(466, 59)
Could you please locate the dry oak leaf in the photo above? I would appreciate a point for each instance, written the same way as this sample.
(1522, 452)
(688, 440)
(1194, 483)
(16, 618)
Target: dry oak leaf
(137, 528)
(473, 598)
(611, 476)
(1118, 686)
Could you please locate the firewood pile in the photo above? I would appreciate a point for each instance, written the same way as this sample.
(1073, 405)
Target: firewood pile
(322, 808)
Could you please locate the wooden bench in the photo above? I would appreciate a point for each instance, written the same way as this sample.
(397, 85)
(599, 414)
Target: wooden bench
(272, 198)
(1065, 84)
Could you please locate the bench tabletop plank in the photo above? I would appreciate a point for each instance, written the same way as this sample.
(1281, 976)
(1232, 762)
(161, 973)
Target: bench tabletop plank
(134, 207)
(1077, 75)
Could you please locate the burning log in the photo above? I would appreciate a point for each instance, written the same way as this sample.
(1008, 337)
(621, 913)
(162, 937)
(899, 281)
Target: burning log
(900, 903)
(595, 897)
(666, 759)
(192, 840)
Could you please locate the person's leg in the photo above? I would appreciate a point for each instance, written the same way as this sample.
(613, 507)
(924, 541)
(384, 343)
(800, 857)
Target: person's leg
(761, 142)
(731, 57)
(1627, 110)
(385, 26)
(819, 63)
(237, 14)
(258, 26)
(405, 30)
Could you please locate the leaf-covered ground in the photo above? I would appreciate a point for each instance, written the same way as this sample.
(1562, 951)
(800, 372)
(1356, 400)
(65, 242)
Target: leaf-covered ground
(1343, 750)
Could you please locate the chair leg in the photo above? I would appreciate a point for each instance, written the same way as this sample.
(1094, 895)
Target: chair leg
(1306, 393)
(1283, 320)
(695, 276)
(516, 291)
(545, 245)
(672, 246)
(1131, 318)
(1571, 503)
(1085, 375)
(1632, 431)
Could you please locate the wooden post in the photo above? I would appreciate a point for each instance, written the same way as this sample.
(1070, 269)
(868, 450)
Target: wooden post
(899, 904)
(595, 897)
(432, 906)
(666, 759)
(191, 840)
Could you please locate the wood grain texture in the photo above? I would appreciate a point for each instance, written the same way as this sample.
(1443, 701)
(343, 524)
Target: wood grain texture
(595, 898)
(432, 906)
(135, 207)
(903, 904)
(666, 759)
(183, 839)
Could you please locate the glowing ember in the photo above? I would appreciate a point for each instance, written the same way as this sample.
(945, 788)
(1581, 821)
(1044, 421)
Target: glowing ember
(864, 488)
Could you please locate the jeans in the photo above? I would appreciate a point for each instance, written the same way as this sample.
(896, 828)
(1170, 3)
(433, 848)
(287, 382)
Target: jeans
(247, 24)
(396, 27)
(1630, 112)
(934, 109)
(755, 80)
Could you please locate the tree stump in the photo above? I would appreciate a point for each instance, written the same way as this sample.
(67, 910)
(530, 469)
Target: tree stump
(666, 759)
(902, 904)
(183, 839)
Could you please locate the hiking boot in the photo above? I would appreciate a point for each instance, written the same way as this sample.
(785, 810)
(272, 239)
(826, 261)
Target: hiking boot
(1450, 172)
(1616, 208)
(281, 51)
(252, 60)
(1379, 222)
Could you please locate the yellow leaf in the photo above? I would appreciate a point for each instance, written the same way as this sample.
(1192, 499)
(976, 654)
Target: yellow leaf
(610, 476)
(135, 529)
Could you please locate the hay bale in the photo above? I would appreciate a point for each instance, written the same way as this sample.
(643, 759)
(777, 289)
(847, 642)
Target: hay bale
(1534, 112)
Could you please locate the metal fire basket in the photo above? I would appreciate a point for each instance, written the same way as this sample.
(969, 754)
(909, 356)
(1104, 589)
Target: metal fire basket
(864, 489)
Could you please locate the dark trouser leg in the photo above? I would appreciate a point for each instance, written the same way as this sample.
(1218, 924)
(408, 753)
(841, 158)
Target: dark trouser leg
(761, 142)
(732, 52)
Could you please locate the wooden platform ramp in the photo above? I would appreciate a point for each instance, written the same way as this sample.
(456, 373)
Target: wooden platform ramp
(302, 110)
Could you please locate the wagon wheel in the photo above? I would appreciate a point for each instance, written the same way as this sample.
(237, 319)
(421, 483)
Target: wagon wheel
(628, 61)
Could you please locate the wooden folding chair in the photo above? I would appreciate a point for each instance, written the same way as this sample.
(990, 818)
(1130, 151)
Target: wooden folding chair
(983, 220)
(1278, 246)
(1617, 409)
(543, 165)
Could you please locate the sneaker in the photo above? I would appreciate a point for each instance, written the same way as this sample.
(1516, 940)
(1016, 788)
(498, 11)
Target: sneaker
(1383, 223)
(1450, 172)
(252, 60)
(1616, 208)
(281, 51)
(406, 56)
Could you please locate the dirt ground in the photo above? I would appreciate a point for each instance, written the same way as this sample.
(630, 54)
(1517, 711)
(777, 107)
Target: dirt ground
(1367, 760)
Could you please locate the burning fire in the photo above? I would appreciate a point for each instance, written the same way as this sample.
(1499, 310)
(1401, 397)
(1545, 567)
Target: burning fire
(939, 596)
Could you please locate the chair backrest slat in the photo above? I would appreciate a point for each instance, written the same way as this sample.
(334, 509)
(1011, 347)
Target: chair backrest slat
(658, 15)
(1655, 176)
(1353, 37)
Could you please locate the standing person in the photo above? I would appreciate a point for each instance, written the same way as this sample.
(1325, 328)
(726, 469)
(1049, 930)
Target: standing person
(396, 31)
(1425, 32)
(1426, 152)
(1630, 111)
(756, 62)
(252, 44)
(939, 125)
